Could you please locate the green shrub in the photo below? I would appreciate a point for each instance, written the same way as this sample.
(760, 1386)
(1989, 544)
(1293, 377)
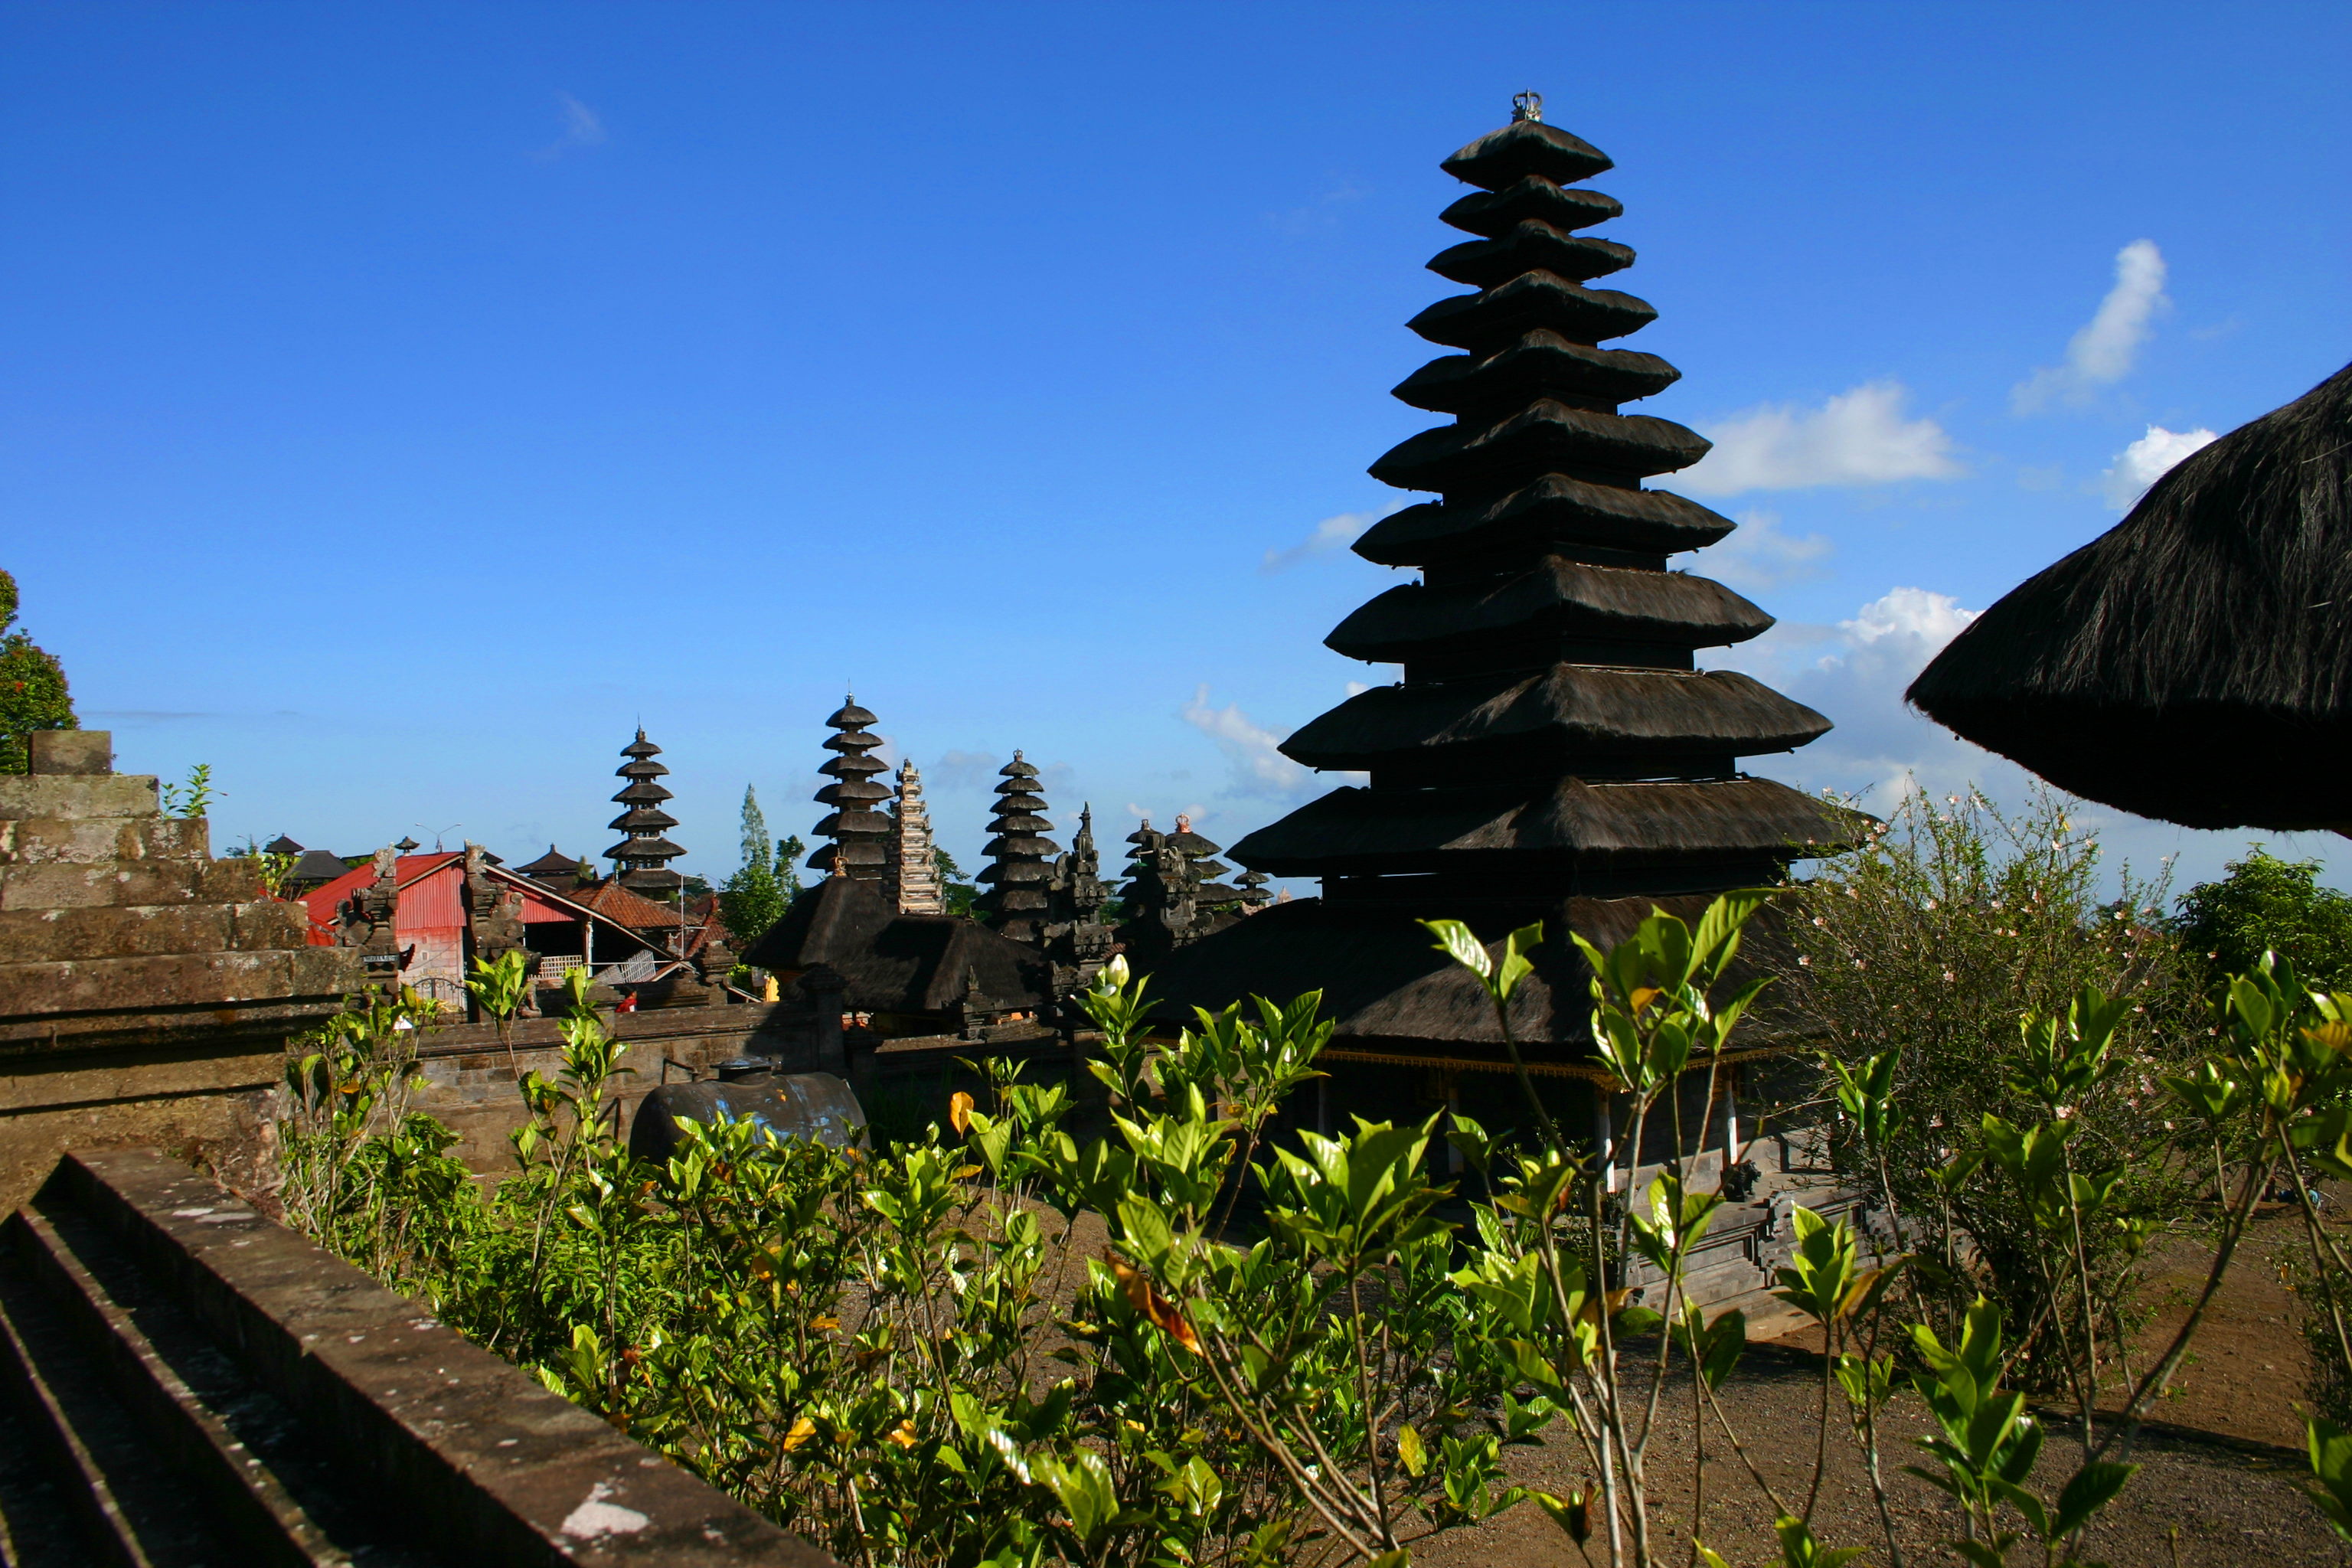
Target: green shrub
(2262, 905)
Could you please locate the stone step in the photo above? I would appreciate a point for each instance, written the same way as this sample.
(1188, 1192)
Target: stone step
(264, 1484)
(118, 1503)
(151, 931)
(467, 1457)
(63, 886)
(41, 840)
(58, 990)
(27, 795)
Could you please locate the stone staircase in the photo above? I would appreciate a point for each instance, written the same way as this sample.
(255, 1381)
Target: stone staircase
(185, 1384)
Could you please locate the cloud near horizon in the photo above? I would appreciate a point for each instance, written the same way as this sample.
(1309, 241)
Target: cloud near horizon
(1335, 533)
(1759, 555)
(2149, 459)
(1857, 437)
(2104, 351)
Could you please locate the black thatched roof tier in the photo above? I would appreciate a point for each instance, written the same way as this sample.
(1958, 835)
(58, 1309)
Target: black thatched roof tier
(1018, 844)
(2193, 663)
(1553, 510)
(649, 847)
(1385, 985)
(1556, 714)
(1526, 246)
(899, 963)
(1491, 213)
(1525, 149)
(642, 792)
(1022, 821)
(1486, 321)
(850, 715)
(643, 819)
(855, 766)
(317, 865)
(1541, 363)
(852, 741)
(1557, 598)
(1544, 437)
(554, 863)
(1573, 822)
(855, 791)
(641, 748)
(858, 822)
(282, 845)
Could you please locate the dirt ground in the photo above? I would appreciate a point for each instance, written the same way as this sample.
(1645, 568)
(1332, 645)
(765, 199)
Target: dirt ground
(2221, 1456)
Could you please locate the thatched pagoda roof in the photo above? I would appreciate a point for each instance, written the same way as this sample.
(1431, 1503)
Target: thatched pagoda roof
(1551, 742)
(2193, 663)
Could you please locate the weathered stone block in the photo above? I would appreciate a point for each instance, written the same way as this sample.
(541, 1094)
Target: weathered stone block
(269, 922)
(32, 936)
(70, 794)
(71, 751)
(91, 840)
(71, 887)
(130, 984)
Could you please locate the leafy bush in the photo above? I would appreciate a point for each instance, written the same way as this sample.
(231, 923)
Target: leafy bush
(906, 1354)
(2265, 904)
(1922, 949)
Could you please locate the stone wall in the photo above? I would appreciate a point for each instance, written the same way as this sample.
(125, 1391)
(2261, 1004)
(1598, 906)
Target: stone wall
(469, 1070)
(146, 989)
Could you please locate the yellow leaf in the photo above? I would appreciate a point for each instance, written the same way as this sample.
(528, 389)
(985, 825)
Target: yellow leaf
(802, 1430)
(824, 1325)
(904, 1436)
(1148, 1300)
(959, 1112)
(966, 1173)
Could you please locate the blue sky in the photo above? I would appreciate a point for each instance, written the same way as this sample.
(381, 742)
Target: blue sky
(399, 405)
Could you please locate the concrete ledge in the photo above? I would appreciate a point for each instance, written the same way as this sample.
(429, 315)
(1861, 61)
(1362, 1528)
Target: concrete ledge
(487, 1465)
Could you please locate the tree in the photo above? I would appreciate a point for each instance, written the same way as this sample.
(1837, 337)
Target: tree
(958, 893)
(2265, 904)
(33, 693)
(754, 898)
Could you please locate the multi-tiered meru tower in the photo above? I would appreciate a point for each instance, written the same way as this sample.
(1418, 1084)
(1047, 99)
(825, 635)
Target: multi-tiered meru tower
(1552, 751)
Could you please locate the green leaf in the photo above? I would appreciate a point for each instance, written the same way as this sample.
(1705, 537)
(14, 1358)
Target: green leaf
(1458, 942)
(2092, 1487)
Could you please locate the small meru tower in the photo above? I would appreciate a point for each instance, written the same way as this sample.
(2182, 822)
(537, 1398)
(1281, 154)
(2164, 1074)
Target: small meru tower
(1553, 752)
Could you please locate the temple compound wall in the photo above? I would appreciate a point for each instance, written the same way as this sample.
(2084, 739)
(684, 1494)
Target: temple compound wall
(146, 989)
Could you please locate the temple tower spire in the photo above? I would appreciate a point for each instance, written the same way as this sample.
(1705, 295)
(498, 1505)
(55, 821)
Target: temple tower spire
(913, 879)
(860, 835)
(641, 861)
(1020, 868)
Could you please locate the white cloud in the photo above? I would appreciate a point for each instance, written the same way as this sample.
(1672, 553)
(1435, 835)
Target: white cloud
(1333, 533)
(582, 128)
(2102, 352)
(1759, 556)
(2146, 460)
(1855, 673)
(1858, 438)
(1259, 768)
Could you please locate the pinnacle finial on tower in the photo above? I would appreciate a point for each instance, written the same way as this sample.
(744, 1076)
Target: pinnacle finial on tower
(1526, 106)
